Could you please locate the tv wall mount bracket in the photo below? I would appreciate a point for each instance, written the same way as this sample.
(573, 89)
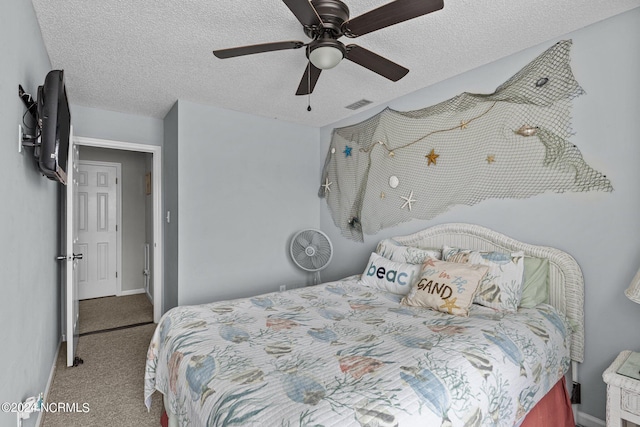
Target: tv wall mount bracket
(32, 107)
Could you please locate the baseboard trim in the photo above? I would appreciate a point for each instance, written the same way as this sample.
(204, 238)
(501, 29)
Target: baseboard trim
(132, 292)
(587, 420)
(49, 381)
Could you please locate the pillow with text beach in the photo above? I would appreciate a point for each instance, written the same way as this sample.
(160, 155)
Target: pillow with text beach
(396, 277)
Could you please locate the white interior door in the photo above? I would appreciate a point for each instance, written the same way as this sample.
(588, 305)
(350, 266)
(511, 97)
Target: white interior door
(72, 255)
(97, 229)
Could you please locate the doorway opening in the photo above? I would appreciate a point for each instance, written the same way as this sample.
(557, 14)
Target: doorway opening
(139, 255)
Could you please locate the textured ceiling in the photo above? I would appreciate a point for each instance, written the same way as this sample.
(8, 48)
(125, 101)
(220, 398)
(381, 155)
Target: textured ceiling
(141, 56)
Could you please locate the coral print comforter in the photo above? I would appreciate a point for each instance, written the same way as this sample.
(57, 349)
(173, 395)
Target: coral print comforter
(339, 354)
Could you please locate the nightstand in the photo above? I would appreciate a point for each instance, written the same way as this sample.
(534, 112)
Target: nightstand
(623, 394)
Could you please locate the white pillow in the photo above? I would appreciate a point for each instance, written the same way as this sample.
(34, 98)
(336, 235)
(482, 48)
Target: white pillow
(394, 251)
(501, 287)
(391, 276)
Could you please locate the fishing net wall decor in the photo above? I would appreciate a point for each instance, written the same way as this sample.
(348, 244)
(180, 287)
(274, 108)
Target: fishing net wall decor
(512, 143)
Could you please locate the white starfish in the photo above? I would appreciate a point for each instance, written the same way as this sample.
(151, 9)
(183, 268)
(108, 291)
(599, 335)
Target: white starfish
(408, 201)
(327, 185)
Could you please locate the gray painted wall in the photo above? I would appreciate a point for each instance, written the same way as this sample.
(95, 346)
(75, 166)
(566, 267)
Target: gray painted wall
(111, 125)
(246, 185)
(29, 307)
(134, 212)
(600, 230)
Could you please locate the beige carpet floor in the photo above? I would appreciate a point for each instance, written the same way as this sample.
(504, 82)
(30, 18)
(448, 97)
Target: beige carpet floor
(110, 381)
(98, 314)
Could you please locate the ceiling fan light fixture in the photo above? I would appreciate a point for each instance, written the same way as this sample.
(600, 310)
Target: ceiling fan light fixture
(326, 57)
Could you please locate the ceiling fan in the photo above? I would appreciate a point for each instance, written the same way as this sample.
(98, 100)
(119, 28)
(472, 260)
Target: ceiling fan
(325, 21)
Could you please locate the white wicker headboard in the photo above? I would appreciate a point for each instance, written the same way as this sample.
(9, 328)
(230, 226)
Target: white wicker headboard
(566, 285)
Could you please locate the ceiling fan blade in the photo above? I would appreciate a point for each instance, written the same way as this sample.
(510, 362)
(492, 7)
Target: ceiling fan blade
(389, 14)
(375, 62)
(309, 79)
(257, 48)
(304, 11)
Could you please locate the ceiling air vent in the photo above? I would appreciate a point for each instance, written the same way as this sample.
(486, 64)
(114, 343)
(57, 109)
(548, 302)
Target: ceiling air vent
(358, 104)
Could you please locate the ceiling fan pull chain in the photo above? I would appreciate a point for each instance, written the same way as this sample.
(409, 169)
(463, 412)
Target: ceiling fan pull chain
(309, 85)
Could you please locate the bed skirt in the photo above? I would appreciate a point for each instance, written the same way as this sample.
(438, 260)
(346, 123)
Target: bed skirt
(553, 410)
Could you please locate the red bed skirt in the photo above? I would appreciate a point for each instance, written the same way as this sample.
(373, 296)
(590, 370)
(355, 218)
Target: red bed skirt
(554, 409)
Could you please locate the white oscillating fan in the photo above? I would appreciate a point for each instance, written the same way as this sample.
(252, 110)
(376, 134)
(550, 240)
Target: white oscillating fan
(311, 250)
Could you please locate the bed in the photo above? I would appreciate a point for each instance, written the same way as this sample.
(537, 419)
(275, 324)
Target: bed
(345, 353)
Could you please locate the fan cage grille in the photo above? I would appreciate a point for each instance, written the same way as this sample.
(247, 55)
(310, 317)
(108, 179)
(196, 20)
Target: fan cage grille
(310, 241)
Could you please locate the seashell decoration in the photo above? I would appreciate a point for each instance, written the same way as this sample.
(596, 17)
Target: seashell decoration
(526, 130)
(542, 81)
(394, 181)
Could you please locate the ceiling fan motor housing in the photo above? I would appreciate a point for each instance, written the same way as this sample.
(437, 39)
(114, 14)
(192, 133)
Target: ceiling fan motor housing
(333, 13)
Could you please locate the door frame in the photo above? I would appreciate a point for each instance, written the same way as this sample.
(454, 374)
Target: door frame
(156, 191)
(71, 312)
(118, 167)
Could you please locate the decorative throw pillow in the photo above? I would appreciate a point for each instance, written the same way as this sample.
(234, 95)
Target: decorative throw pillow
(535, 285)
(395, 277)
(501, 287)
(446, 286)
(394, 251)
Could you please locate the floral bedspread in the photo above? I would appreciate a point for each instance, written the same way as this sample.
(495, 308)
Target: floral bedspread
(339, 354)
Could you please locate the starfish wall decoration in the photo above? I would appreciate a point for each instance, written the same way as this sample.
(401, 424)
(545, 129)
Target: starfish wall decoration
(432, 156)
(327, 186)
(408, 200)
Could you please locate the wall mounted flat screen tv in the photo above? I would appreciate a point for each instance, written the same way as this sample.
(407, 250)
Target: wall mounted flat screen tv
(54, 120)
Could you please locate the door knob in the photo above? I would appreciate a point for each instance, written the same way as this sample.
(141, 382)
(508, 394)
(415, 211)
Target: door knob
(72, 258)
